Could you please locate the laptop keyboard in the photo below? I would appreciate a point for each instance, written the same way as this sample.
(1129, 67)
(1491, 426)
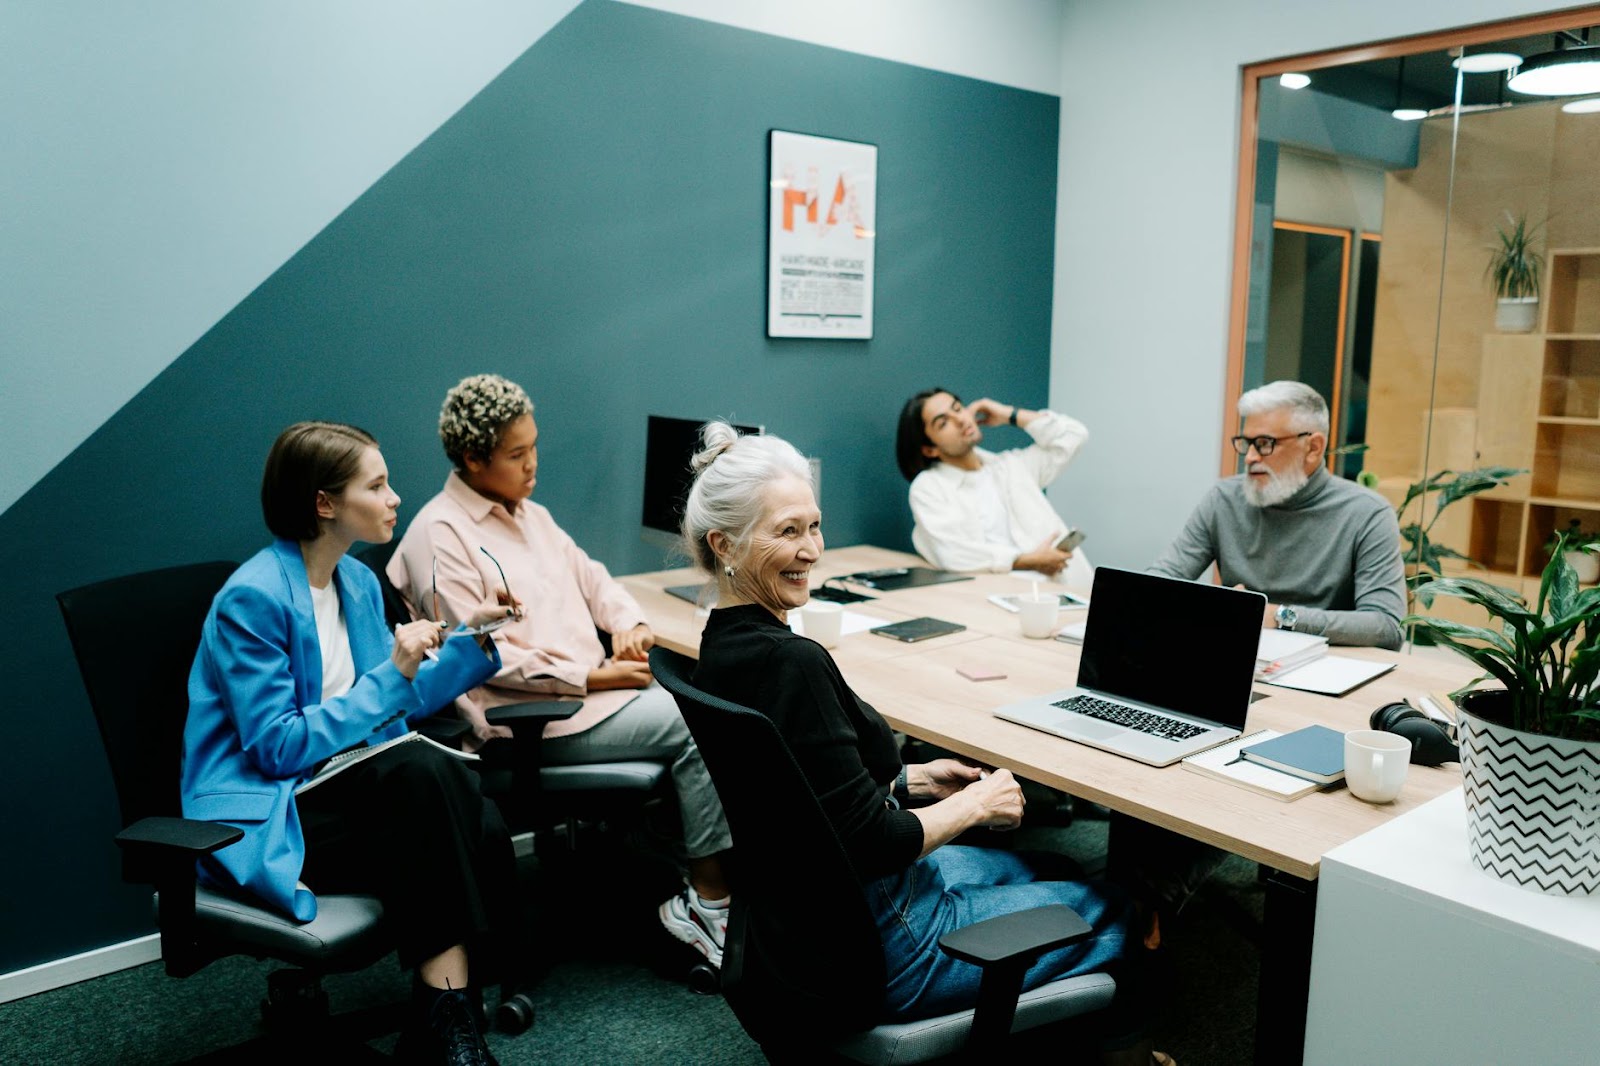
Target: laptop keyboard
(1157, 725)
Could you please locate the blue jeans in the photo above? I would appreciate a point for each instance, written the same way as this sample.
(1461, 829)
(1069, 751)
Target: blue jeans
(956, 886)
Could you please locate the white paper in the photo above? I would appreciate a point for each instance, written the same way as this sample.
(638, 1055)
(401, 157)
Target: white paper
(1331, 675)
(1226, 760)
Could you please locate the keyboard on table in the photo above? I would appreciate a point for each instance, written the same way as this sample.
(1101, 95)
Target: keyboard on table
(1157, 725)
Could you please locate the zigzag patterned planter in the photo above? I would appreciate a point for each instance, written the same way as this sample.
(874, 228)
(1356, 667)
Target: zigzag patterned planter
(1533, 806)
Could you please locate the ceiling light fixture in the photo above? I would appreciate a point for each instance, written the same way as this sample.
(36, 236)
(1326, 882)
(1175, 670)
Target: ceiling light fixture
(1294, 80)
(1582, 107)
(1566, 71)
(1401, 112)
(1487, 62)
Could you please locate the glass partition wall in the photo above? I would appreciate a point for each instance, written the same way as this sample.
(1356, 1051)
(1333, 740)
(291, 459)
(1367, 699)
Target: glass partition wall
(1376, 183)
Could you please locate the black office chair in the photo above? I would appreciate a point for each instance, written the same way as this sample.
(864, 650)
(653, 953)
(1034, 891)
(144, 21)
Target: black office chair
(138, 689)
(544, 796)
(803, 966)
(545, 800)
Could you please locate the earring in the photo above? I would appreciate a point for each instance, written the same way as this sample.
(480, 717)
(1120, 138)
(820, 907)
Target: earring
(729, 571)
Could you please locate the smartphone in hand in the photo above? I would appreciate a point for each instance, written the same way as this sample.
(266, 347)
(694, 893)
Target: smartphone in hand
(1069, 542)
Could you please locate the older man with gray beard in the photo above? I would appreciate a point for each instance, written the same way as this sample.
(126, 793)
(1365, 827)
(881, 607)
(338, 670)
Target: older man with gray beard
(1325, 551)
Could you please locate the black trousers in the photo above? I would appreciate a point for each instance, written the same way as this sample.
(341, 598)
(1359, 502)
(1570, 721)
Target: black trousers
(410, 827)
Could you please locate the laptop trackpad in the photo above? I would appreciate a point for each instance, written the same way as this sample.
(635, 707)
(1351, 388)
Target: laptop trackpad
(1080, 725)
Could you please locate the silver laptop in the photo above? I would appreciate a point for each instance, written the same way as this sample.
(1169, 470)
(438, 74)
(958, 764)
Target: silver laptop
(1166, 669)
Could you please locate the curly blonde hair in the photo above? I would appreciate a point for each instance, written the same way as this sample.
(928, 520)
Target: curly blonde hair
(475, 414)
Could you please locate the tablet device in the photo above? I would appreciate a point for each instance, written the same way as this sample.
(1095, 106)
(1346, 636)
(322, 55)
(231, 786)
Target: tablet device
(892, 578)
(914, 629)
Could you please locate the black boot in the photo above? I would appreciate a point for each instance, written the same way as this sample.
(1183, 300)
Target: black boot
(444, 1030)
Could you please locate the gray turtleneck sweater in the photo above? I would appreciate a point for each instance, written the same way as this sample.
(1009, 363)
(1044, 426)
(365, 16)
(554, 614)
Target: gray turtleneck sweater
(1331, 551)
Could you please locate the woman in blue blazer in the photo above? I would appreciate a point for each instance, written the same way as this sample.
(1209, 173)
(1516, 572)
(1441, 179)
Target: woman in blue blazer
(296, 664)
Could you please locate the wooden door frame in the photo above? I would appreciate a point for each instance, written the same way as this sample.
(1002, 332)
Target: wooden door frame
(1249, 130)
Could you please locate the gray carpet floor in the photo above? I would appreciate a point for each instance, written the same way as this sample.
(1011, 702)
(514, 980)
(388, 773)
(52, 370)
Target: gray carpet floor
(607, 1001)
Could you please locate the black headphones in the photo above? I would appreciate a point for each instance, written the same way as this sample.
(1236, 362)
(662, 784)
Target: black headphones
(1430, 743)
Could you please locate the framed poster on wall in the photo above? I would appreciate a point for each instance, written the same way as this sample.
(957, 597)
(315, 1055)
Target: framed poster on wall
(821, 236)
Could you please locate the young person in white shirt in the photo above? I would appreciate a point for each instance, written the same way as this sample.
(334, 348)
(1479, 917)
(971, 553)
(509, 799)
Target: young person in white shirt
(980, 510)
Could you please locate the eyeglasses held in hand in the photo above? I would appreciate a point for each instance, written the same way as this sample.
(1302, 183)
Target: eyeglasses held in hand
(487, 627)
(1264, 446)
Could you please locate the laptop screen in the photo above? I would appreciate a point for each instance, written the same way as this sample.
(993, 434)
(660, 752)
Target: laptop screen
(1181, 645)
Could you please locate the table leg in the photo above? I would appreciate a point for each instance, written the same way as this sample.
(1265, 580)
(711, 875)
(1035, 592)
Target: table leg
(1290, 915)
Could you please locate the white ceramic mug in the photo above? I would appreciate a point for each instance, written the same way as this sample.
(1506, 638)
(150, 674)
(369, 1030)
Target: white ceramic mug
(1375, 764)
(822, 619)
(1038, 614)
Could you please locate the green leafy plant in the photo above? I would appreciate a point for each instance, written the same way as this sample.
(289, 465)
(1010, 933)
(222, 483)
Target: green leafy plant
(1546, 656)
(1424, 555)
(1514, 266)
(1575, 537)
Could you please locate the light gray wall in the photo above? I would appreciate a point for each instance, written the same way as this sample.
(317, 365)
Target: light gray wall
(1144, 235)
(163, 158)
(1009, 42)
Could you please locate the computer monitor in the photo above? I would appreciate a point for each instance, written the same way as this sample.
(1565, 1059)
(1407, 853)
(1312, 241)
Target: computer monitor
(669, 445)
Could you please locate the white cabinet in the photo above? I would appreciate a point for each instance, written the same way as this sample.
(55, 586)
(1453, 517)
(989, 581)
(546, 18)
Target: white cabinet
(1420, 957)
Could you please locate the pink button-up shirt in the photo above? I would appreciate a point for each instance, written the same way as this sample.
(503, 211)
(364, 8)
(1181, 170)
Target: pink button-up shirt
(548, 653)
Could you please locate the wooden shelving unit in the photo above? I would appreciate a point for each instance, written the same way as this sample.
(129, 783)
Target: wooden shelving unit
(1539, 408)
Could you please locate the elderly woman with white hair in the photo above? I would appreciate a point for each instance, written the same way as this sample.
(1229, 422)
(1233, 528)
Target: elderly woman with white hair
(752, 522)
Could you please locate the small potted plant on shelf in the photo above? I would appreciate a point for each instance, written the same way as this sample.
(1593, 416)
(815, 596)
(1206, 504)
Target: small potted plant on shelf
(1530, 745)
(1514, 269)
(1582, 550)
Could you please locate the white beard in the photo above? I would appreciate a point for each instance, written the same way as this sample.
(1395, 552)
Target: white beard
(1279, 487)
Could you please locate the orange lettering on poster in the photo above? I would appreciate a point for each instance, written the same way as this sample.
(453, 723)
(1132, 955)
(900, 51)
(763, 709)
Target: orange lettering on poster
(793, 198)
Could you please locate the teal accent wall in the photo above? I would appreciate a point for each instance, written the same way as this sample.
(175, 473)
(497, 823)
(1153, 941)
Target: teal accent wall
(592, 225)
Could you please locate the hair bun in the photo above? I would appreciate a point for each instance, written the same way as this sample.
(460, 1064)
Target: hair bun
(715, 438)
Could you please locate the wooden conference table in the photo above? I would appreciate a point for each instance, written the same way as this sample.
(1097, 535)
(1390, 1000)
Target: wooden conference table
(918, 689)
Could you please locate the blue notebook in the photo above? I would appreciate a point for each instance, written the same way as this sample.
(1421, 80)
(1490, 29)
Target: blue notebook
(1315, 753)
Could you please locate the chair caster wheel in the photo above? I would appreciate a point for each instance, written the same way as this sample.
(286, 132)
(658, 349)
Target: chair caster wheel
(705, 979)
(514, 1015)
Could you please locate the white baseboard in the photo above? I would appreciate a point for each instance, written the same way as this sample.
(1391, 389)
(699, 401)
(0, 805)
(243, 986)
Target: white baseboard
(69, 971)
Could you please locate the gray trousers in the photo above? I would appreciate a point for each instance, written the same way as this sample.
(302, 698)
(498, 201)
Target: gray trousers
(651, 728)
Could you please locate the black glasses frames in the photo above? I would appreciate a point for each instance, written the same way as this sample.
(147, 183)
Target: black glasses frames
(439, 617)
(503, 582)
(1264, 446)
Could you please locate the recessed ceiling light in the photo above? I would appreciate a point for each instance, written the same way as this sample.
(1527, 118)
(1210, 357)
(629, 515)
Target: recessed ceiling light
(1409, 114)
(1582, 107)
(1487, 62)
(1294, 80)
(1567, 72)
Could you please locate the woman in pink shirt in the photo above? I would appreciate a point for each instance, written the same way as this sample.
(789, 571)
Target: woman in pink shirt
(482, 535)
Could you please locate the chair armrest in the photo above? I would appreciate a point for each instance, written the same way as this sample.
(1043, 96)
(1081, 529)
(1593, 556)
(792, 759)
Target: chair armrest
(186, 836)
(1023, 935)
(160, 851)
(540, 711)
(1004, 948)
(446, 729)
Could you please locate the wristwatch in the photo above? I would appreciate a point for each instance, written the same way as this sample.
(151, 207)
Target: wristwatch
(1013, 418)
(1286, 616)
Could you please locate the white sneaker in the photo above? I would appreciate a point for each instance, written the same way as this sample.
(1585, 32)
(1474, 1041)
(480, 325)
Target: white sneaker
(704, 928)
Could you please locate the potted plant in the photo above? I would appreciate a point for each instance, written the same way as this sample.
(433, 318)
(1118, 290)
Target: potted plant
(1423, 556)
(1514, 269)
(1582, 551)
(1530, 745)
